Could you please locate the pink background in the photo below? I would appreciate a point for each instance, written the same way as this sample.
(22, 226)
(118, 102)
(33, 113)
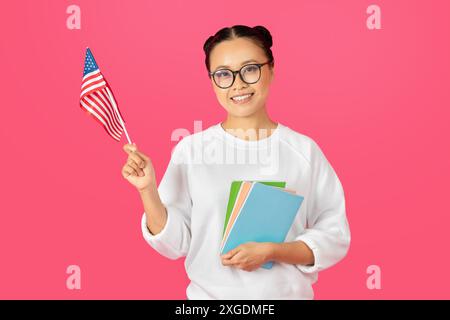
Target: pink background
(376, 101)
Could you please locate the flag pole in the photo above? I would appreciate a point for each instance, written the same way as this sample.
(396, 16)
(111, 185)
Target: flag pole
(118, 114)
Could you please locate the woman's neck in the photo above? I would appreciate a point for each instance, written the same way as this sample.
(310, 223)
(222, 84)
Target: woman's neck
(245, 127)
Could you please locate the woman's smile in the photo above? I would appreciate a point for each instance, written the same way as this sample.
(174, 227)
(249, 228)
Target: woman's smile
(241, 99)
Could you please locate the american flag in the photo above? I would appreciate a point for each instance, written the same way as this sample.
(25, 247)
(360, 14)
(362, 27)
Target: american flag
(97, 99)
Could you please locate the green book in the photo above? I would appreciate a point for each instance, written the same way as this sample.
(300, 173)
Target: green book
(234, 191)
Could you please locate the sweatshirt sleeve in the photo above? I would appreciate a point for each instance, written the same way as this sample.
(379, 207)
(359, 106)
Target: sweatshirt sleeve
(327, 232)
(174, 239)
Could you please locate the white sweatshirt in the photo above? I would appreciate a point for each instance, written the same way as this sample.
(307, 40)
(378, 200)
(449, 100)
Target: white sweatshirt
(195, 190)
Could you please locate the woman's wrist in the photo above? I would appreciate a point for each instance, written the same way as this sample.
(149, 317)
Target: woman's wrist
(295, 252)
(271, 251)
(151, 191)
(150, 198)
(154, 209)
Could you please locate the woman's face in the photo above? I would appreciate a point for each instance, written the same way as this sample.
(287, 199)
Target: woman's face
(233, 54)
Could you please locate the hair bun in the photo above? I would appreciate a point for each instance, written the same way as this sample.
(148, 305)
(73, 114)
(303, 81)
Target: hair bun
(265, 33)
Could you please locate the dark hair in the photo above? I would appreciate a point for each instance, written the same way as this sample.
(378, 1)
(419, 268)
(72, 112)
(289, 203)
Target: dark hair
(259, 34)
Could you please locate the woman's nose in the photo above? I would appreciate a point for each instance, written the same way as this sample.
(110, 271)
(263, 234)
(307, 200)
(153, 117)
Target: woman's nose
(239, 83)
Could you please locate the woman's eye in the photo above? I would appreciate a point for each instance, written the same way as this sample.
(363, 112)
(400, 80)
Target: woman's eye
(251, 69)
(221, 74)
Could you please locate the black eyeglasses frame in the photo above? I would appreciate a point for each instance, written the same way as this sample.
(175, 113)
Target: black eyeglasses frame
(259, 65)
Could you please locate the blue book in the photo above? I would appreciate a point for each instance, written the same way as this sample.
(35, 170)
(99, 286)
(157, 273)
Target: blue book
(266, 216)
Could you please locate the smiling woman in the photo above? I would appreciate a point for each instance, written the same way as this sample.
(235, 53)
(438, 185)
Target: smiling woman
(184, 215)
(240, 64)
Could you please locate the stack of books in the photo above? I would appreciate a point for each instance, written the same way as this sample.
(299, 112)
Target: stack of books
(259, 211)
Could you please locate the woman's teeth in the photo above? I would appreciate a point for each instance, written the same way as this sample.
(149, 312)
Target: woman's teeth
(242, 99)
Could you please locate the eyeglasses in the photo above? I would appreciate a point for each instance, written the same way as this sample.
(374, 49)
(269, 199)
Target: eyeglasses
(250, 73)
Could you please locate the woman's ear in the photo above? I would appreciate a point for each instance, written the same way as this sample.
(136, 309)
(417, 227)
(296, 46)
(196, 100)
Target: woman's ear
(272, 74)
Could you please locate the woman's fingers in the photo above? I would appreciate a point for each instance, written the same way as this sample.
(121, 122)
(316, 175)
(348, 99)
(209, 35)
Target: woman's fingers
(133, 164)
(143, 156)
(128, 170)
(136, 158)
(136, 167)
(129, 148)
(136, 155)
(136, 161)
